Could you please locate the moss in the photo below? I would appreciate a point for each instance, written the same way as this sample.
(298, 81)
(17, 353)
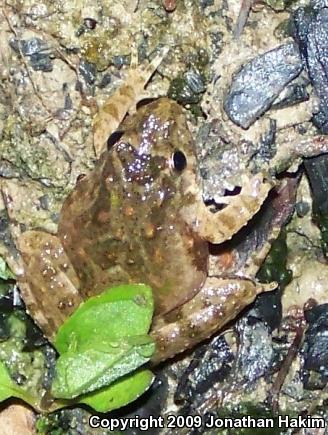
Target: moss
(275, 266)
(279, 5)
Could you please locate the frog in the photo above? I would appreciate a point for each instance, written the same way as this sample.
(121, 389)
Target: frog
(139, 217)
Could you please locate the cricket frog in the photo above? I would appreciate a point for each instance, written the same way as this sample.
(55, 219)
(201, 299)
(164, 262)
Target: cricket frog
(139, 217)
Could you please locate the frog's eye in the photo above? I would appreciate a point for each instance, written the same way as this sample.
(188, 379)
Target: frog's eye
(179, 161)
(114, 138)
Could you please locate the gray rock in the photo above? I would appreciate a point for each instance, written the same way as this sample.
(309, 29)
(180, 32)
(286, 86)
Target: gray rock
(319, 4)
(88, 71)
(312, 35)
(259, 82)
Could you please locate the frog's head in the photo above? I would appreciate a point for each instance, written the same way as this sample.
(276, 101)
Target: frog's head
(156, 152)
(157, 156)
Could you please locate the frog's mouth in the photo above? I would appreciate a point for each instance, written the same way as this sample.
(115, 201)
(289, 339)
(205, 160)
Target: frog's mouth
(218, 222)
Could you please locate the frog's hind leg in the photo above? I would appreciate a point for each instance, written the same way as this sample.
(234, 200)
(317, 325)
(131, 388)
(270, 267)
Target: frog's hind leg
(219, 301)
(124, 100)
(49, 285)
(140, 75)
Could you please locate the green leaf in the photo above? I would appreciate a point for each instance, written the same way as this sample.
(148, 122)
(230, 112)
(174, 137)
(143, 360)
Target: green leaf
(104, 340)
(5, 272)
(121, 311)
(8, 388)
(79, 373)
(120, 393)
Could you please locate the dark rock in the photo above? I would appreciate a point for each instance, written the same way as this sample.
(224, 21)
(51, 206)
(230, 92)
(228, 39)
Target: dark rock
(302, 208)
(37, 50)
(319, 4)
(255, 353)
(88, 71)
(255, 87)
(90, 23)
(311, 32)
(315, 348)
(211, 363)
(195, 81)
(267, 146)
(294, 93)
(41, 62)
(119, 61)
(28, 46)
(105, 81)
(317, 171)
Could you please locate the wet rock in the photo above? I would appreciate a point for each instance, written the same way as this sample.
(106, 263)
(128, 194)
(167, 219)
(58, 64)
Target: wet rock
(187, 88)
(41, 62)
(315, 348)
(105, 81)
(36, 50)
(220, 164)
(295, 93)
(28, 46)
(8, 170)
(268, 306)
(302, 208)
(88, 71)
(90, 23)
(255, 354)
(211, 364)
(119, 61)
(319, 4)
(255, 87)
(195, 81)
(317, 172)
(311, 32)
(267, 146)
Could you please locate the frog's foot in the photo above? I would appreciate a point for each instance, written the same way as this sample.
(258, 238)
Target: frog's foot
(222, 225)
(124, 100)
(218, 302)
(289, 155)
(49, 285)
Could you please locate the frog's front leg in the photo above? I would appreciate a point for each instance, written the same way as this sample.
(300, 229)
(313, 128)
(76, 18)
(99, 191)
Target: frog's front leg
(219, 301)
(221, 226)
(49, 286)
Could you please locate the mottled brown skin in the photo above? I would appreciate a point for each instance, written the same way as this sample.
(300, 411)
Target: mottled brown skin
(138, 217)
(120, 224)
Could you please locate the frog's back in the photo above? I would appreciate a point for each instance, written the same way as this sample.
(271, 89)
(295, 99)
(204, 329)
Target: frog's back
(121, 222)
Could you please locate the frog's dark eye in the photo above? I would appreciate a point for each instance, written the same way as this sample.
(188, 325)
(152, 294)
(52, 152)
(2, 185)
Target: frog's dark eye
(179, 161)
(114, 138)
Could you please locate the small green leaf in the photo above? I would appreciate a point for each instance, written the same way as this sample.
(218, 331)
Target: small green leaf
(8, 388)
(5, 272)
(80, 373)
(104, 340)
(120, 393)
(121, 311)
